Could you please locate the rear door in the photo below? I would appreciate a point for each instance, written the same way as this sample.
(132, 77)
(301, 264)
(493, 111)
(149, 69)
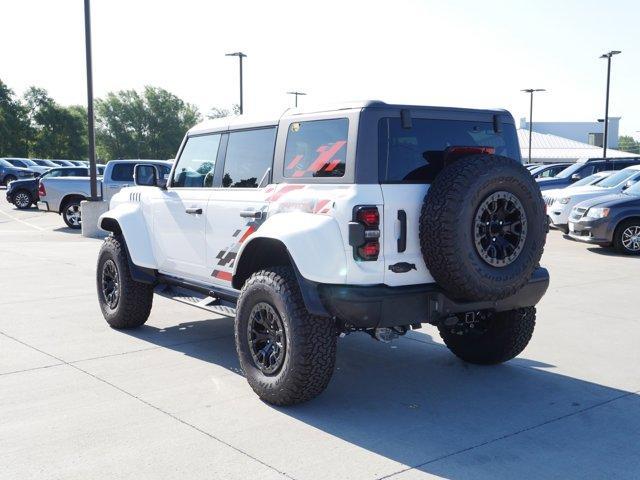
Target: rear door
(238, 203)
(410, 158)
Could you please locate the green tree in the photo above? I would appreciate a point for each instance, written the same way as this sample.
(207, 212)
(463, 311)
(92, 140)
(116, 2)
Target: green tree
(626, 143)
(15, 130)
(217, 112)
(58, 131)
(147, 125)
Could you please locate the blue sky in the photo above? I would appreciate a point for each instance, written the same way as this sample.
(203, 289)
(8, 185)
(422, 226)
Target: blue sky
(460, 53)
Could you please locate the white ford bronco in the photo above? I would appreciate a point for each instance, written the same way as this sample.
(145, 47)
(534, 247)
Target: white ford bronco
(362, 217)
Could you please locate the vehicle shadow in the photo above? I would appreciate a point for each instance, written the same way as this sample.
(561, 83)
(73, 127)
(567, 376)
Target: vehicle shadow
(610, 252)
(415, 403)
(75, 231)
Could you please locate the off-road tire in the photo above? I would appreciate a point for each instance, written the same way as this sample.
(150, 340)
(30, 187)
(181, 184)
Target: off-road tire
(310, 340)
(505, 337)
(447, 223)
(8, 179)
(618, 240)
(63, 211)
(27, 202)
(136, 299)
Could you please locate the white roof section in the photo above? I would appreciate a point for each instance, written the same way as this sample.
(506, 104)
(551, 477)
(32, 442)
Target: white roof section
(547, 147)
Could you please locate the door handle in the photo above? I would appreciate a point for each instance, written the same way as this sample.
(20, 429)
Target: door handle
(402, 241)
(251, 214)
(194, 211)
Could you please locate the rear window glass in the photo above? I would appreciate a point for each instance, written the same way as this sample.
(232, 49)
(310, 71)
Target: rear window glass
(122, 172)
(316, 148)
(417, 154)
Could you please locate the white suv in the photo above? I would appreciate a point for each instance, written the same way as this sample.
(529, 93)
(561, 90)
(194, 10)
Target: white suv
(363, 217)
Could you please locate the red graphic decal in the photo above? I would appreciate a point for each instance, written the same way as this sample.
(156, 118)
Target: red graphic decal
(222, 275)
(282, 191)
(325, 156)
(319, 205)
(249, 231)
(298, 173)
(332, 165)
(294, 162)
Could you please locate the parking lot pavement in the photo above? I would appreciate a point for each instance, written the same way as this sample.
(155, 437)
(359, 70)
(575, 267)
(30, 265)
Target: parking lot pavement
(79, 400)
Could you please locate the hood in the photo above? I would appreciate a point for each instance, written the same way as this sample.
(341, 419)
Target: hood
(616, 200)
(23, 182)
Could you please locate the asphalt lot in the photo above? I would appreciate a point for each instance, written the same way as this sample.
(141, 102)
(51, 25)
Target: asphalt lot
(80, 400)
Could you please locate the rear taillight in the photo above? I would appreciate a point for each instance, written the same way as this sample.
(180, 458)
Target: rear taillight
(364, 233)
(41, 191)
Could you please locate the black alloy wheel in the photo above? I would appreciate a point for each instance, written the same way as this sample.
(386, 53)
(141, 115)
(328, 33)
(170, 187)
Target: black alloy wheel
(266, 337)
(500, 229)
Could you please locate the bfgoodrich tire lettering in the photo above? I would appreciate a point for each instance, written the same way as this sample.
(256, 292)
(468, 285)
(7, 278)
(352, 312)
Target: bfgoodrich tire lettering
(131, 304)
(450, 214)
(500, 338)
(309, 341)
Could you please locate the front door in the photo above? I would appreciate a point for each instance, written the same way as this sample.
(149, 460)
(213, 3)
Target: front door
(180, 212)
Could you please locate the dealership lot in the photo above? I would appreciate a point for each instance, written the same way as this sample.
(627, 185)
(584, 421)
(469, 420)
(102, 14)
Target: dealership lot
(80, 400)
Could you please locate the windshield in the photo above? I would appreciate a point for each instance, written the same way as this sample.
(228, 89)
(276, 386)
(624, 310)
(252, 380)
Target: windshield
(570, 170)
(31, 163)
(617, 178)
(633, 190)
(590, 180)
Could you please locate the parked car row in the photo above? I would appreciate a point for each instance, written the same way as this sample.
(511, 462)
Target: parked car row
(602, 208)
(14, 168)
(63, 194)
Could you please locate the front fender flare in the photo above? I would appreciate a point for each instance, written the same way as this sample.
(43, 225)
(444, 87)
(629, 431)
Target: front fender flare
(130, 220)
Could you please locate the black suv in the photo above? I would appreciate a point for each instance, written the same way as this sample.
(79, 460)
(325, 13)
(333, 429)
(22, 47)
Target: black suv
(24, 193)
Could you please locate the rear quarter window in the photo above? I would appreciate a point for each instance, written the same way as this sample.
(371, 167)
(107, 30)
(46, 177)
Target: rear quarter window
(418, 154)
(123, 172)
(316, 148)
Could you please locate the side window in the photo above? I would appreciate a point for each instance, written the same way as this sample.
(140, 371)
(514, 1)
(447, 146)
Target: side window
(588, 170)
(197, 162)
(316, 148)
(123, 172)
(72, 172)
(249, 155)
(54, 173)
(164, 170)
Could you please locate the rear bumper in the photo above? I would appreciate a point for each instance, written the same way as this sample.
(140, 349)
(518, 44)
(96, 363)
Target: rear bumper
(44, 206)
(384, 306)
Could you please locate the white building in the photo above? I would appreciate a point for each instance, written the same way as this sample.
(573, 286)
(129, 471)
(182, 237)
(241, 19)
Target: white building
(591, 133)
(548, 148)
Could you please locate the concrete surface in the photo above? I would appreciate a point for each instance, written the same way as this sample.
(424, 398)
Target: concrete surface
(79, 400)
(90, 212)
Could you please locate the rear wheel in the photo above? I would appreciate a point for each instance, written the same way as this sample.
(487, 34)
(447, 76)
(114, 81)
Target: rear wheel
(71, 213)
(627, 237)
(124, 302)
(287, 354)
(8, 179)
(22, 199)
(490, 338)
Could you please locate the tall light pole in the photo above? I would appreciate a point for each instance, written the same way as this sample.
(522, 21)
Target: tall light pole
(93, 180)
(530, 92)
(608, 56)
(240, 56)
(296, 95)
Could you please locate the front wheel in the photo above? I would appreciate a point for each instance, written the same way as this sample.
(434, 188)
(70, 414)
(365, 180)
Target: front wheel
(490, 338)
(287, 354)
(22, 199)
(627, 237)
(71, 214)
(124, 302)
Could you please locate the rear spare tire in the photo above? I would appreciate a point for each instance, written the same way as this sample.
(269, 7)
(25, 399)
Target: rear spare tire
(483, 227)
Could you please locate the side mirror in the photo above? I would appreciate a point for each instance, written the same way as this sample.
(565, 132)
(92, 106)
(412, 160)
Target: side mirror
(630, 183)
(575, 177)
(146, 175)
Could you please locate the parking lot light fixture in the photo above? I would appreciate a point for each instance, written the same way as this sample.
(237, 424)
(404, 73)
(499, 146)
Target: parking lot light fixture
(608, 56)
(530, 91)
(296, 94)
(240, 56)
